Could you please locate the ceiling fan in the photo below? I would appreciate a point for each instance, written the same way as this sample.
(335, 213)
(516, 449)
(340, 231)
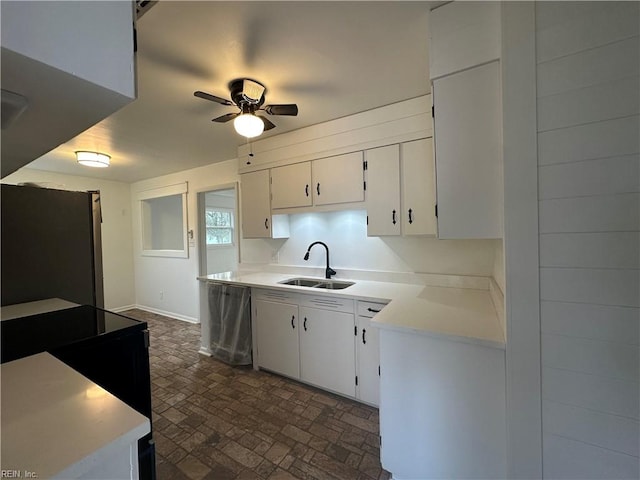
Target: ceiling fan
(248, 96)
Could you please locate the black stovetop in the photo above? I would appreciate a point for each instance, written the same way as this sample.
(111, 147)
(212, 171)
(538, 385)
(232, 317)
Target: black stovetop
(21, 337)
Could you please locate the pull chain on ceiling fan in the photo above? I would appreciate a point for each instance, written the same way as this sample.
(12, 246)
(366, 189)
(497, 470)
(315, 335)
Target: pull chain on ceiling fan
(248, 96)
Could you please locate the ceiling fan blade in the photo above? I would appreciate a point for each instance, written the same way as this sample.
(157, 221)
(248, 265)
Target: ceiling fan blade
(225, 118)
(284, 109)
(213, 98)
(268, 124)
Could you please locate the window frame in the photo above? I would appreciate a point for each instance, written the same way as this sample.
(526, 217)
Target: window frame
(167, 191)
(231, 227)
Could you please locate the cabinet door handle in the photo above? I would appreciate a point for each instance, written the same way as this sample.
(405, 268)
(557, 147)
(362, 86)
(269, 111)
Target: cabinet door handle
(304, 324)
(410, 217)
(364, 332)
(373, 310)
(293, 325)
(393, 217)
(306, 189)
(266, 223)
(318, 188)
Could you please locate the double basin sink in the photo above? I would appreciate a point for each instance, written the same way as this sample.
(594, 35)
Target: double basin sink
(317, 283)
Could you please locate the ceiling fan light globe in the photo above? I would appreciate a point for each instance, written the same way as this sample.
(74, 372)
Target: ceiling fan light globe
(248, 125)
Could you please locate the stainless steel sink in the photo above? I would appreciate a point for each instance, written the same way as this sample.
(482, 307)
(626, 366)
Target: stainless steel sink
(334, 285)
(317, 283)
(301, 282)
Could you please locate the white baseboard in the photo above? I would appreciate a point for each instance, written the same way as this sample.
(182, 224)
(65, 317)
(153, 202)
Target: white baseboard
(121, 309)
(204, 351)
(177, 316)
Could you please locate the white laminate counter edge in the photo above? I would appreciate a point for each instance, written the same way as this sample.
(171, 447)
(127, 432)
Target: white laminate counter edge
(410, 306)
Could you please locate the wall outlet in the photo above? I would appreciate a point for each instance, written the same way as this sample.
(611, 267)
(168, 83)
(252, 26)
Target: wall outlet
(161, 295)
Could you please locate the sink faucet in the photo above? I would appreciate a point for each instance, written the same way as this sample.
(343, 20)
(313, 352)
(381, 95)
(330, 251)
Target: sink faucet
(328, 271)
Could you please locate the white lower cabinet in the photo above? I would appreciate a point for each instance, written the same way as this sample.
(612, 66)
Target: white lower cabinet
(277, 334)
(306, 337)
(327, 356)
(368, 354)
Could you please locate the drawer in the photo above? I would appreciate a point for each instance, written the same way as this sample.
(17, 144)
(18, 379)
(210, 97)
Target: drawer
(274, 295)
(337, 304)
(369, 309)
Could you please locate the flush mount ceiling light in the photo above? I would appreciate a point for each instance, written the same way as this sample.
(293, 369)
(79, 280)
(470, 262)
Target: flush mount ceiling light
(93, 159)
(248, 125)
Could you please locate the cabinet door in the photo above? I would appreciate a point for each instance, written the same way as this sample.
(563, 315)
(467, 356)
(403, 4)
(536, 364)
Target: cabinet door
(468, 149)
(338, 179)
(368, 354)
(277, 331)
(327, 356)
(463, 35)
(418, 188)
(291, 186)
(383, 191)
(255, 204)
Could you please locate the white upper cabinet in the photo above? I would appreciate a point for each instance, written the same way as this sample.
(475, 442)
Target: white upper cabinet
(327, 181)
(291, 186)
(400, 189)
(468, 146)
(383, 191)
(73, 61)
(255, 207)
(418, 188)
(338, 179)
(463, 35)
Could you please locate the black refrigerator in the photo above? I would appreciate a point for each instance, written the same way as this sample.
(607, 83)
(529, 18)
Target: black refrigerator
(51, 248)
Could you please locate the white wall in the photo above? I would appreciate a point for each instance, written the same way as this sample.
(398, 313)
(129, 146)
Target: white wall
(589, 177)
(174, 279)
(346, 235)
(117, 248)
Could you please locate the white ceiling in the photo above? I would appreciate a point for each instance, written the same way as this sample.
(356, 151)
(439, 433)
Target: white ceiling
(331, 58)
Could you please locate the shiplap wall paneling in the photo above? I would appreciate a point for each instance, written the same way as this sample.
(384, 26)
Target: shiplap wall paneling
(589, 177)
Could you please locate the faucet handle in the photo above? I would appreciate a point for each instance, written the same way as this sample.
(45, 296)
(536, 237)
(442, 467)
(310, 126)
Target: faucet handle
(330, 271)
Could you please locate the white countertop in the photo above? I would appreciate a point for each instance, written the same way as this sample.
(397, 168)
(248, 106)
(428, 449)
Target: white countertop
(458, 314)
(57, 423)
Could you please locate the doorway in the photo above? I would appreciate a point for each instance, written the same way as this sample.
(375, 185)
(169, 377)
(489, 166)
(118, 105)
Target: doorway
(218, 230)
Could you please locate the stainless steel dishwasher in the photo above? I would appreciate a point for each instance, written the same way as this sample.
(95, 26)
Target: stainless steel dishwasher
(230, 314)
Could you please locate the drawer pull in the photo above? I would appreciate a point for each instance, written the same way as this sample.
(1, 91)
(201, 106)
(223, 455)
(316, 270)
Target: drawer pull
(373, 310)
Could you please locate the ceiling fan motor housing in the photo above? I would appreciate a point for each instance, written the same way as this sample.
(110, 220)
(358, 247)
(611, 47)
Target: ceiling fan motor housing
(247, 91)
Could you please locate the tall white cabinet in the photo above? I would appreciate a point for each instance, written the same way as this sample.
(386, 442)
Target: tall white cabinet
(468, 144)
(465, 70)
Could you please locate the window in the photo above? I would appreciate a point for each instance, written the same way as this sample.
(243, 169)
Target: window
(219, 224)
